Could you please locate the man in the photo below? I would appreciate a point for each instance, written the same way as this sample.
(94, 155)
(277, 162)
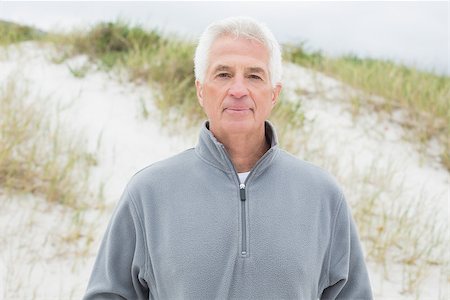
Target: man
(235, 217)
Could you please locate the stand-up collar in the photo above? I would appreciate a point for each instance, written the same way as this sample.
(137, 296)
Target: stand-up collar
(214, 152)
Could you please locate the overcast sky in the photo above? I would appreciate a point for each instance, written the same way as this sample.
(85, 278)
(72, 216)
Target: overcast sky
(415, 33)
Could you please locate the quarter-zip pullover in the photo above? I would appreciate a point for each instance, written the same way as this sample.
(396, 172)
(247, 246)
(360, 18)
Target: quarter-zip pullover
(186, 228)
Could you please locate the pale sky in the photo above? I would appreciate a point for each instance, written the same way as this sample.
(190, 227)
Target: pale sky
(415, 33)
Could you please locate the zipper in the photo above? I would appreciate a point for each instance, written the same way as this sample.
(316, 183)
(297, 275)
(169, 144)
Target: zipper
(243, 196)
(243, 221)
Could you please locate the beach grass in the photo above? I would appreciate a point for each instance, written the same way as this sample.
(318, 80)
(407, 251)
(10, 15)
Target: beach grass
(390, 233)
(423, 97)
(163, 62)
(35, 155)
(11, 33)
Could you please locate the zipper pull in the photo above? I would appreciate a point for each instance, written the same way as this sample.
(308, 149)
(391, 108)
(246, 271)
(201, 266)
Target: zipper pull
(242, 188)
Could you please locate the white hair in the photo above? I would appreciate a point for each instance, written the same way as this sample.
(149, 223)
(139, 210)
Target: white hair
(238, 27)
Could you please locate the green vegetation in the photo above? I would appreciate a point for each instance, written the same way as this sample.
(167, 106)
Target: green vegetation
(165, 63)
(300, 55)
(13, 33)
(35, 157)
(391, 232)
(422, 95)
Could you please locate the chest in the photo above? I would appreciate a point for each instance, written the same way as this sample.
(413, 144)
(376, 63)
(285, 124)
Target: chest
(214, 238)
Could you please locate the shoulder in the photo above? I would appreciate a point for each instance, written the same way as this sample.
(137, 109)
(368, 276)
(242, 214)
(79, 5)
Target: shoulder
(165, 171)
(308, 174)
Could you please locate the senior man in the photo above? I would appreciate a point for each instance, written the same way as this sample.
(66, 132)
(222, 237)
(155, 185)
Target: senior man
(235, 217)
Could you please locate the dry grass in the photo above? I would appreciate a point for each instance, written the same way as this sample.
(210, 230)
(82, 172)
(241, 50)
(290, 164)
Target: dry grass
(35, 156)
(44, 242)
(396, 226)
(390, 232)
(44, 193)
(11, 33)
(164, 63)
(388, 87)
(394, 232)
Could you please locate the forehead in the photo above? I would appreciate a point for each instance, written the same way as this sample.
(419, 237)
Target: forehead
(236, 52)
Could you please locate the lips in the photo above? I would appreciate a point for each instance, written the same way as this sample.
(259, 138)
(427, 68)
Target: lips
(238, 112)
(238, 108)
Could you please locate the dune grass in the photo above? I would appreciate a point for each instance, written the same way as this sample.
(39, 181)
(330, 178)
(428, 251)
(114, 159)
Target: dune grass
(13, 33)
(390, 233)
(422, 95)
(163, 62)
(35, 155)
(147, 57)
(396, 227)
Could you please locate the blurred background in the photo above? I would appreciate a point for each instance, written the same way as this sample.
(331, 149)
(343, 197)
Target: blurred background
(92, 92)
(412, 32)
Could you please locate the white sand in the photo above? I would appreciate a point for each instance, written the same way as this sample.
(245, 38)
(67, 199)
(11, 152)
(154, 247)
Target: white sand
(34, 260)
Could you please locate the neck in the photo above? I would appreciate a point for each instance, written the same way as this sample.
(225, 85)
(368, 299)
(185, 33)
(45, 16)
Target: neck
(245, 149)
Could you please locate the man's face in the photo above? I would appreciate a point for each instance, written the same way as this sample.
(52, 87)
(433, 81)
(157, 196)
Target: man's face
(237, 94)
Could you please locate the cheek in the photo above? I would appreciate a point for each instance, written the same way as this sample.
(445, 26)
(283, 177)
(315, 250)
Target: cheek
(265, 103)
(210, 105)
(213, 98)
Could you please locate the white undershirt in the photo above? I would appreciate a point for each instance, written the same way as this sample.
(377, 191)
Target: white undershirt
(243, 176)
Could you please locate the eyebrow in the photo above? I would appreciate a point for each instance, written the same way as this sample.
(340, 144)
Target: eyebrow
(221, 68)
(250, 70)
(256, 70)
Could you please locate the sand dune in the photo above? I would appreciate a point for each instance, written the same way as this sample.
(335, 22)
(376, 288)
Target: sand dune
(38, 262)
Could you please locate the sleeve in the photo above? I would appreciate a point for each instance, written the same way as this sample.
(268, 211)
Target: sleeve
(119, 271)
(347, 272)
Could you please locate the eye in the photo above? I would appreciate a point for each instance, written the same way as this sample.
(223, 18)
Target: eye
(254, 76)
(223, 75)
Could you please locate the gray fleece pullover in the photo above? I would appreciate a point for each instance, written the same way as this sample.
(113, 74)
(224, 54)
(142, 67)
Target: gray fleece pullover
(185, 228)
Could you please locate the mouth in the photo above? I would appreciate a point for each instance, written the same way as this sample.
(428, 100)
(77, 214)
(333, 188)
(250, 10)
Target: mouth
(238, 109)
(238, 112)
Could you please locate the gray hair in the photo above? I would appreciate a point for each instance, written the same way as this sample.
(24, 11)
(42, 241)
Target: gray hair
(238, 27)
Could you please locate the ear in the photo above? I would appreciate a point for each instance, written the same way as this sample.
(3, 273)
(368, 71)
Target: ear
(276, 93)
(199, 88)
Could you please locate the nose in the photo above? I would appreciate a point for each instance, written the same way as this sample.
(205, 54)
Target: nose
(238, 88)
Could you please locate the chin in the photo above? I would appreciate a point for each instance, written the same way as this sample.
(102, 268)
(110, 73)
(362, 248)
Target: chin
(238, 126)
